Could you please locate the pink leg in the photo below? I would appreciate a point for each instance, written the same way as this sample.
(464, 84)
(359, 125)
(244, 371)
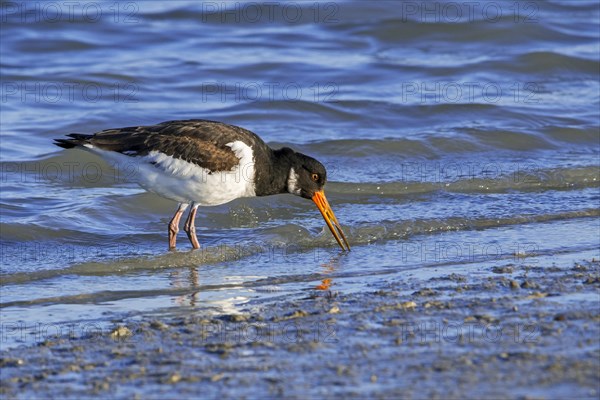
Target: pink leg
(190, 227)
(174, 225)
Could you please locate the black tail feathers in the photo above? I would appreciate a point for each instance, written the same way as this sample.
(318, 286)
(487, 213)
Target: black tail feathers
(77, 139)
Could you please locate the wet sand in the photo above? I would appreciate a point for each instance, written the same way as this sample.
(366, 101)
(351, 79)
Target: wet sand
(511, 331)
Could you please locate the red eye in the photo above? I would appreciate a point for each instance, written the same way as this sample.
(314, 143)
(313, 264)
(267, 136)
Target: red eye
(315, 177)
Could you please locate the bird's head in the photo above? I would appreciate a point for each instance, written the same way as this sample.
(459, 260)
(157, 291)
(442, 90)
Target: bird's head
(307, 178)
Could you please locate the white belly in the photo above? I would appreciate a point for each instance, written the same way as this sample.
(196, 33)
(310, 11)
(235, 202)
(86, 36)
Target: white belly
(186, 182)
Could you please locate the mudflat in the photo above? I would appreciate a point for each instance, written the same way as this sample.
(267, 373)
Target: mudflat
(508, 331)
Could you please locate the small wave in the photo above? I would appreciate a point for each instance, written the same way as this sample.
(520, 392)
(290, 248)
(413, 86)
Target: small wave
(548, 61)
(303, 240)
(524, 180)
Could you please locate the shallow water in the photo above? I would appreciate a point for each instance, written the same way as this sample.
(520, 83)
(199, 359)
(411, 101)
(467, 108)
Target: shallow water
(448, 140)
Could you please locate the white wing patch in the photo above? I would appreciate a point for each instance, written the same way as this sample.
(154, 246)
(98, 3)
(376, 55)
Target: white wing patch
(186, 182)
(174, 166)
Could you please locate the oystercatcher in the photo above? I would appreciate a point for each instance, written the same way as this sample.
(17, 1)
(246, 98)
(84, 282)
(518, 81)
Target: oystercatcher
(206, 163)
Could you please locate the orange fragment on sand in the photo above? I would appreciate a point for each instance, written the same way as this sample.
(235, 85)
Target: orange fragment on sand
(326, 283)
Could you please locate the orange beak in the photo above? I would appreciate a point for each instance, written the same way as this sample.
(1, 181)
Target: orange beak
(330, 219)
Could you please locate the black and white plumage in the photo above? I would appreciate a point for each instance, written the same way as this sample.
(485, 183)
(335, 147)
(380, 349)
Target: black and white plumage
(206, 163)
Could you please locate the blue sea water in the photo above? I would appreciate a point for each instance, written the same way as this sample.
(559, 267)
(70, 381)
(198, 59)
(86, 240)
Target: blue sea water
(452, 132)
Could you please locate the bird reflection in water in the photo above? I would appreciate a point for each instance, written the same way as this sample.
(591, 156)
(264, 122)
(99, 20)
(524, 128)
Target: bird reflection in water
(185, 279)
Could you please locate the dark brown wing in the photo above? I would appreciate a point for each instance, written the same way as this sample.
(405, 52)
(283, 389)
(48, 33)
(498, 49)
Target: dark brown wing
(201, 142)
